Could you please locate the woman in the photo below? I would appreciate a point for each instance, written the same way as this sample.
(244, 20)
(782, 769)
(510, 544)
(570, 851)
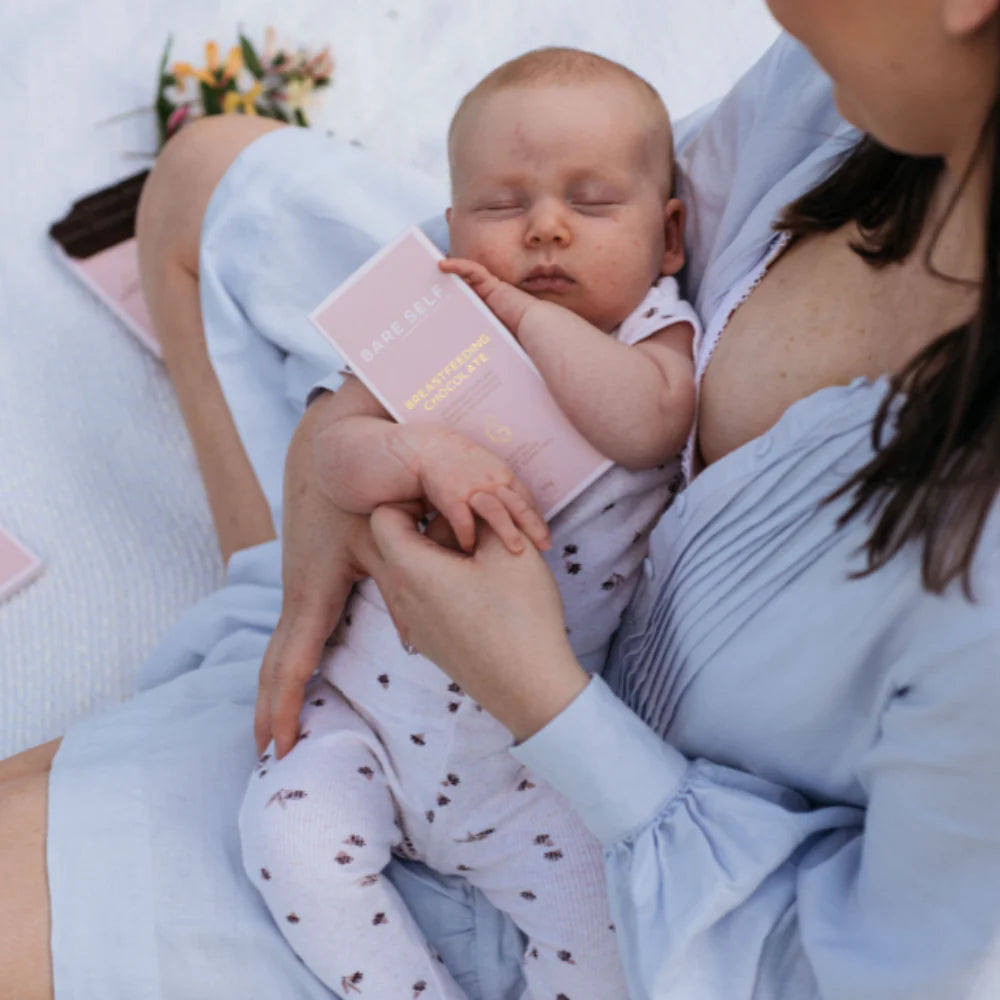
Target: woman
(794, 790)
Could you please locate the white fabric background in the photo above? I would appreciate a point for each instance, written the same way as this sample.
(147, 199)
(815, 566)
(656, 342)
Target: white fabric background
(96, 474)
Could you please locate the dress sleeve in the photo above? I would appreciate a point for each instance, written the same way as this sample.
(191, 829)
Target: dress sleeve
(773, 136)
(725, 886)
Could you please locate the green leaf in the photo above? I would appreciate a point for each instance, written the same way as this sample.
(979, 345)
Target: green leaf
(164, 109)
(300, 118)
(163, 106)
(210, 100)
(166, 54)
(250, 59)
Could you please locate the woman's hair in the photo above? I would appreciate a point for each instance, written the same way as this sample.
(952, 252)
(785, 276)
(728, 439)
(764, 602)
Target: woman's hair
(935, 479)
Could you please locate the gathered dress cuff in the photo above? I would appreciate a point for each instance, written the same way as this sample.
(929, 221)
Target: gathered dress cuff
(612, 768)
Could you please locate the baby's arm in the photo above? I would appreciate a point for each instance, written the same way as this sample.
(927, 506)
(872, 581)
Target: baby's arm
(368, 459)
(634, 404)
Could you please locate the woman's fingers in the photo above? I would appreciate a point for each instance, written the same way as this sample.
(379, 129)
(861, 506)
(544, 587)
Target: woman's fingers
(297, 660)
(396, 534)
(262, 715)
(289, 662)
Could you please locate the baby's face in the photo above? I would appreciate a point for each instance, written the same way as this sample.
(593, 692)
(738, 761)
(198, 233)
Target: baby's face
(560, 190)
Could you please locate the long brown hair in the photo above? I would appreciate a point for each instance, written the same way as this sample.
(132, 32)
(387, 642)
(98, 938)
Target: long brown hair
(936, 471)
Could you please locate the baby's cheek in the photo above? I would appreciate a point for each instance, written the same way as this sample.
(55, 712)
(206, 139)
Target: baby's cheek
(496, 245)
(499, 264)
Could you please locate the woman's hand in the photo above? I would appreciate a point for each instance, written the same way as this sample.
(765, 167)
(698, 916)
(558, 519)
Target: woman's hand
(324, 552)
(493, 621)
(462, 480)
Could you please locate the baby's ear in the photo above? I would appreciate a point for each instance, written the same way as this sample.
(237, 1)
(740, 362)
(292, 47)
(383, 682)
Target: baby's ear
(673, 236)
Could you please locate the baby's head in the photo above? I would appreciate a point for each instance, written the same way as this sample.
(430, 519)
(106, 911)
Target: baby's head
(562, 181)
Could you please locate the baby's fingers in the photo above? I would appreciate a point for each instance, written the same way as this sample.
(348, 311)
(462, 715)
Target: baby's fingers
(469, 270)
(462, 522)
(521, 506)
(492, 510)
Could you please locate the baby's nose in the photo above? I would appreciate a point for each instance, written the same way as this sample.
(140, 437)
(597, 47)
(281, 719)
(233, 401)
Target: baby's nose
(548, 224)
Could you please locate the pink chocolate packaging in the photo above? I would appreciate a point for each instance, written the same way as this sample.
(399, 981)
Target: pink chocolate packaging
(430, 350)
(112, 275)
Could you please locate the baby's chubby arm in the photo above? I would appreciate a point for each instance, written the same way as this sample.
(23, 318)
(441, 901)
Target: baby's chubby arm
(634, 404)
(368, 459)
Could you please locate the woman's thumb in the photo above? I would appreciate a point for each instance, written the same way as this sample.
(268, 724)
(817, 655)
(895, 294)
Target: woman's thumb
(396, 532)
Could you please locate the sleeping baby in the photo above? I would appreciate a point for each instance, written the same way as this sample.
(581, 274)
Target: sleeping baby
(563, 220)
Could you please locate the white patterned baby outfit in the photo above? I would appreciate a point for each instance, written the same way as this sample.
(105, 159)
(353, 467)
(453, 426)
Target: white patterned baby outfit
(395, 759)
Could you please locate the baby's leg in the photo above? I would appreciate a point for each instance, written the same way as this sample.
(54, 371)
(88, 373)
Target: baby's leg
(317, 828)
(541, 865)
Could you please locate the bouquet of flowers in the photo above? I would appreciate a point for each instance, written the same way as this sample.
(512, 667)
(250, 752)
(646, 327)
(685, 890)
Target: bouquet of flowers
(96, 238)
(277, 83)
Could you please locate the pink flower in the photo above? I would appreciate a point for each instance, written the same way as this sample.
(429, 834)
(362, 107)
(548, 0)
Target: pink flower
(177, 118)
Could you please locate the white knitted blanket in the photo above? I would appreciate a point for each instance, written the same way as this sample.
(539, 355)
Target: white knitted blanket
(96, 473)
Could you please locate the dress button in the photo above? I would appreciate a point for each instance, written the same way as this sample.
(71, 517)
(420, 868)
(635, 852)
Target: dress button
(647, 568)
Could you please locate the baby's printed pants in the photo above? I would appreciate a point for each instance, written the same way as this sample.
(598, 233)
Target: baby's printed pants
(411, 766)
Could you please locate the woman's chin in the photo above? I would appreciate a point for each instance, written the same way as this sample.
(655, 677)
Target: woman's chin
(892, 134)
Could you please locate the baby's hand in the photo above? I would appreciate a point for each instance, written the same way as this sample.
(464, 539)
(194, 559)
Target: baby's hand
(506, 302)
(461, 480)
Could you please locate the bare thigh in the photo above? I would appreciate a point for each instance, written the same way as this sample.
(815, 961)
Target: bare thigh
(168, 229)
(25, 955)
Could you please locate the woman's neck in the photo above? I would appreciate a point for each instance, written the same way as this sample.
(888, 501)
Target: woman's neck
(958, 212)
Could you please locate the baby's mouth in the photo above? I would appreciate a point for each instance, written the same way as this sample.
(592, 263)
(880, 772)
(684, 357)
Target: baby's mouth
(546, 278)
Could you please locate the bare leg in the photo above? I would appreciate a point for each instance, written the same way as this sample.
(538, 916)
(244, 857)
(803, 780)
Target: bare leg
(168, 229)
(37, 760)
(25, 959)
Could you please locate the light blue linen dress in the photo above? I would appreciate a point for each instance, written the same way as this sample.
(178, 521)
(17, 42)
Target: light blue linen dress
(797, 788)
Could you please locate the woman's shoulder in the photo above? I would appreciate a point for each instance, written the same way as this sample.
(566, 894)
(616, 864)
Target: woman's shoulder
(741, 161)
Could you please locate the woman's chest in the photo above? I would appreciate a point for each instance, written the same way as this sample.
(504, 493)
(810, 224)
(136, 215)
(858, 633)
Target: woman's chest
(752, 646)
(821, 316)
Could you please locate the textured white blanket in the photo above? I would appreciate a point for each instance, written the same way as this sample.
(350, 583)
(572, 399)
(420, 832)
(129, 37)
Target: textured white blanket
(96, 474)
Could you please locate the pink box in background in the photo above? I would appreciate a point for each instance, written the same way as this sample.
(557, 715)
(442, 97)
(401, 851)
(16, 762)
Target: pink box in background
(96, 241)
(430, 350)
(18, 566)
(113, 276)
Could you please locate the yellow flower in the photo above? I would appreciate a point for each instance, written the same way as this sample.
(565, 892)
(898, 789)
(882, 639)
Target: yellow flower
(234, 63)
(183, 70)
(210, 74)
(233, 101)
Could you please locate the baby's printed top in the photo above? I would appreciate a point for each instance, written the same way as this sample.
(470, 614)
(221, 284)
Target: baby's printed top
(599, 540)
